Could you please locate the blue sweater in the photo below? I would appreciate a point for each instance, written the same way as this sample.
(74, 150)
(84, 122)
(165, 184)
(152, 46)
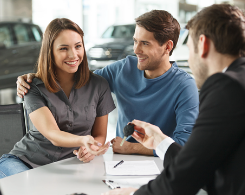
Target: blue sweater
(169, 101)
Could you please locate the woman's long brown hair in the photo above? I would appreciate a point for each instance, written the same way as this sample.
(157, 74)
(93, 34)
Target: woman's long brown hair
(46, 63)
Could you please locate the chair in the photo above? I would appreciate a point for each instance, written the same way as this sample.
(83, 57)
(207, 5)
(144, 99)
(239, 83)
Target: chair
(12, 126)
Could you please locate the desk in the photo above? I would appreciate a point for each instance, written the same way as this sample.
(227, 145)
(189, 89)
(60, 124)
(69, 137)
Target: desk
(68, 176)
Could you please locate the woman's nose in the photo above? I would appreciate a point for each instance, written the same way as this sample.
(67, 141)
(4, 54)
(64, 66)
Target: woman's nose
(72, 53)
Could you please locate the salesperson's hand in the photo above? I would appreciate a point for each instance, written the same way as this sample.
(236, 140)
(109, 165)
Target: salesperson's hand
(120, 191)
(150, 135)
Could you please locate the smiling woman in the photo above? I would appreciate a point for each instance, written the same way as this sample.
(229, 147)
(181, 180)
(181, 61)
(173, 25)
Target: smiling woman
(68, 52)
(66, 44)
(67, 104)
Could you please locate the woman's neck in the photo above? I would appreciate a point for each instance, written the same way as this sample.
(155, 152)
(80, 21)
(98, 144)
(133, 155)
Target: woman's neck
(66, 83)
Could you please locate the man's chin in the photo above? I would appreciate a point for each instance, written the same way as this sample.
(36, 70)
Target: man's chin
(141, 67)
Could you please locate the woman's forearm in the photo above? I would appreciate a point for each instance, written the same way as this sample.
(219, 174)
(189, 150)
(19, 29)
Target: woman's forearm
(65, 139)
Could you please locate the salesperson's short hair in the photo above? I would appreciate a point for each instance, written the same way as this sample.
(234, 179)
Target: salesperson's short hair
(224, 25)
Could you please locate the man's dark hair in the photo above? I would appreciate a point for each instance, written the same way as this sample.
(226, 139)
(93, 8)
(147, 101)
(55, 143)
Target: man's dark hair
(224, 25)
(163, 25)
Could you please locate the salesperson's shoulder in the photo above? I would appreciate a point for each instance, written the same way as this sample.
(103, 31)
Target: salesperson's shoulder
(220, 81)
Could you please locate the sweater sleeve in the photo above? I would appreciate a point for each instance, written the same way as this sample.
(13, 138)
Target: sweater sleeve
(186, 111)
(109, 73)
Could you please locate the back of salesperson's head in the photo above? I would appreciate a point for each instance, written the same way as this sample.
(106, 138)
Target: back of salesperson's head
(224, 25)
(162, 24)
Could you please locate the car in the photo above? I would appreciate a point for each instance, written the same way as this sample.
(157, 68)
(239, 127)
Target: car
(115, 44)
(19, 50)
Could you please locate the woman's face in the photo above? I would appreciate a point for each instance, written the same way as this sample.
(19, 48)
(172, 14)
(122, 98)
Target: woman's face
(68, 52)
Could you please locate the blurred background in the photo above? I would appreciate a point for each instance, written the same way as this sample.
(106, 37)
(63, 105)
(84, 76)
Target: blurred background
(108, 26)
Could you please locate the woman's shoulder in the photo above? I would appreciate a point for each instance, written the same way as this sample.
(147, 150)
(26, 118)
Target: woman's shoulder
(36, 85)
(96, 79)
(36, 81)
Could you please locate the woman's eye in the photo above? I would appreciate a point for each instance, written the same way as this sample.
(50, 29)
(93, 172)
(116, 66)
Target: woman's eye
(78, 46)
(63, 48)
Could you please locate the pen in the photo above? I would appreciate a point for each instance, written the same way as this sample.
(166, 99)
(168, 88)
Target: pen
(118, 163)
(110, 186)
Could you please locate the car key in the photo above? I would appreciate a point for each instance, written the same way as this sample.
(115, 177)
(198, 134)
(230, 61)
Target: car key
(128, 130)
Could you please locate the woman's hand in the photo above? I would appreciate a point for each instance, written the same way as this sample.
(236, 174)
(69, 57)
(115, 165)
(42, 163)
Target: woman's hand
(91, 145)
(83, 154)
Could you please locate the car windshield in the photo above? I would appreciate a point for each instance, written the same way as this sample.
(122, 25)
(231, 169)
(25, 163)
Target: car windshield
(122, 31)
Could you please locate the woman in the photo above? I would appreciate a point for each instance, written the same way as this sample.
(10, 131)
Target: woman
(66, 104)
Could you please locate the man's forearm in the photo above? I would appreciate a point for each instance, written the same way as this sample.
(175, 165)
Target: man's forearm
(129, 147)
(137, 148)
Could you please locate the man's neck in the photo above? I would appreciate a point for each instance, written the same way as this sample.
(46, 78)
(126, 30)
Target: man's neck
(220, 62)
(151, 74)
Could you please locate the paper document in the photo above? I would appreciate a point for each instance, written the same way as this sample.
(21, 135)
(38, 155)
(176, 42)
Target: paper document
(146, 167)
(125, 183)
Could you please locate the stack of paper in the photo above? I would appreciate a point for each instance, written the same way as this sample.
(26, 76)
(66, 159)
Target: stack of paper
(147, 167)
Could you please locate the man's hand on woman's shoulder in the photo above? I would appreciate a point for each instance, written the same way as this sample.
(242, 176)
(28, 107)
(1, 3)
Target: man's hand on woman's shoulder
(22, 86)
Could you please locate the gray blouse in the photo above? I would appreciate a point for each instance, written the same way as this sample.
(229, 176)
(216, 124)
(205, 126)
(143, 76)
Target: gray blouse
(75, 115)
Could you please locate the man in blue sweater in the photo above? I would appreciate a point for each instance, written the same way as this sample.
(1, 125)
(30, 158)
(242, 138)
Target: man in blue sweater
(148, 87)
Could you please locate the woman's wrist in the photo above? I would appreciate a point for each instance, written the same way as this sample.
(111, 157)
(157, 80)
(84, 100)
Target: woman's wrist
(83, 140)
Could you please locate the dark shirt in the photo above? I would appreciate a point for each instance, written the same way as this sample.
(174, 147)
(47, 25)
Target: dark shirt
(214, 154)
(75, 115)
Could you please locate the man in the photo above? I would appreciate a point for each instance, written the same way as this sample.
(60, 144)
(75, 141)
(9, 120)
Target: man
(149, 86)
(213, 157)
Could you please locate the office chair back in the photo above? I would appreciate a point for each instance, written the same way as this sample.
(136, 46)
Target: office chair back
(12, 126)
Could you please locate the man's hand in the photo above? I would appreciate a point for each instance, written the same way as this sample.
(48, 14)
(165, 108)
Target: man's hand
(121, 191)
(124, 149)
(22, 86)
(83, 155)
(150, 135)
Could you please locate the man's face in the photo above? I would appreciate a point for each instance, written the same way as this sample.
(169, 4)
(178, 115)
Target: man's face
(198, 68)
(148, 51)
